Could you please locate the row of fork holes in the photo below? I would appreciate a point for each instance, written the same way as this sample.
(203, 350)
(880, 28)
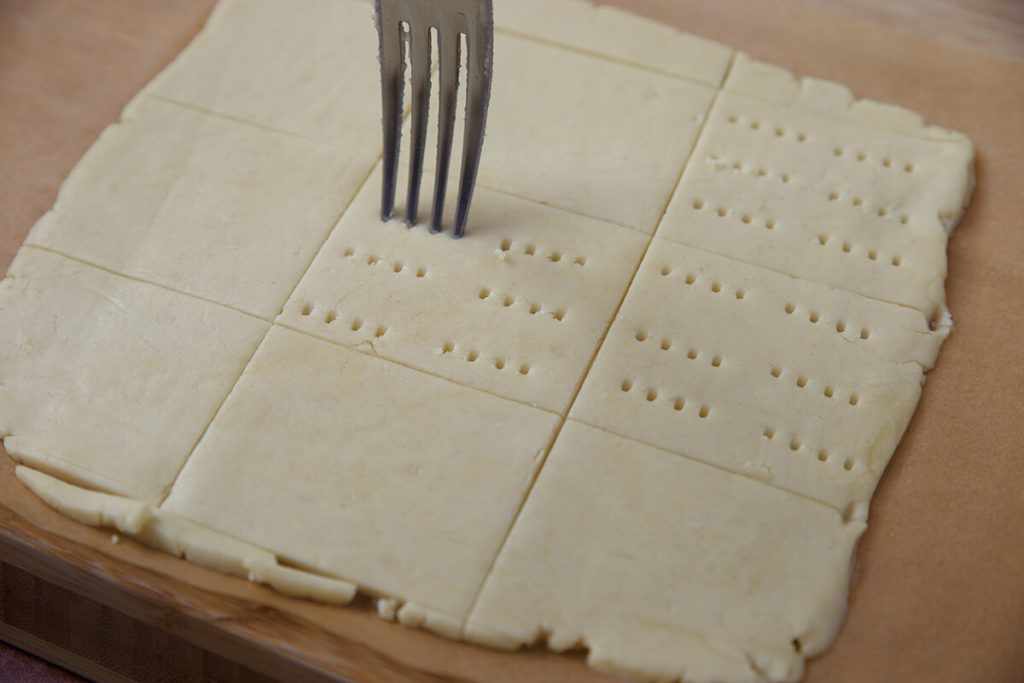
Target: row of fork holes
(747, 218)
(508, 301)
(795, 445)
(814, 317)
(396, 266)
(472, 356)
(555, 256)
(666, 345)
(715, 286)
(651, 395)
(872, 254)
(356, 324)
(838, 151)
(802, 382)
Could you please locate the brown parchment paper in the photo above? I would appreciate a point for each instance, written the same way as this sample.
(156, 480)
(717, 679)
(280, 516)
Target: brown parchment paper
(938, 587)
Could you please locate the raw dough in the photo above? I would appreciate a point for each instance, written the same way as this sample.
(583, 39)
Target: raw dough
(517, 311)
(653, 431)
(109, 382)
(365, 470)
(739, 580)
(227, 211)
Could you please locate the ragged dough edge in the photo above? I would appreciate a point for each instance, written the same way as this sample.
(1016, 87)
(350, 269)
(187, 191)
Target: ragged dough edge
(678, 654)
(177, 536)
(19, 447)
(835, 101)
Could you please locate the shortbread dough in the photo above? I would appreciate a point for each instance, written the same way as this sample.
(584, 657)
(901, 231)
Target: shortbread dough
(641, 408)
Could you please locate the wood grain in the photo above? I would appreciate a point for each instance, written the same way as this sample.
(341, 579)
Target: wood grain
(937, 594)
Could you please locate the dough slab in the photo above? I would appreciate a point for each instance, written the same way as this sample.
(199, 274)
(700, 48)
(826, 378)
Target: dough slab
(641, 408)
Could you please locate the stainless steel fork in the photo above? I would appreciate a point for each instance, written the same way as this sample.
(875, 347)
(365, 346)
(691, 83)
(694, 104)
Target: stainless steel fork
(401, 21)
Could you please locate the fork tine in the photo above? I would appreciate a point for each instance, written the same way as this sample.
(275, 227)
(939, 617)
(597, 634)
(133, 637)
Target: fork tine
(419, 48)
(480, 43)
(392, 65)
(450, 50)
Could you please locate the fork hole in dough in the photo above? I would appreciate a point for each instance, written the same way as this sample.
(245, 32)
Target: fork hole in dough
(472, 356)
(854, 399)
(447, 348)
(716, 362)
(666, 271)
(580, 261)
(691, 278)
(307, 309)
(356, 325)
(794, 445)
(555, 256)
(666, 344)
(421, 272)
(558, 315)
(692, 354)
(740, 293)
(776, 372)
(841, 326)
(483, 293)
(524, 369)
(823, 455)
(865, 333)
(770, 224)
(641, 335)
(705, 410)
(678, 404)
(698, 204)
(848, 465)
(801, 381)
(534, 309)
(746, 218)
(830, 392)
(814, 317)
(530, 250)
(499, 363)
(330, 317)
(790, 308)
(652, 395)
(768, 433)
(627, 384)
(506, 244)
(716, 287)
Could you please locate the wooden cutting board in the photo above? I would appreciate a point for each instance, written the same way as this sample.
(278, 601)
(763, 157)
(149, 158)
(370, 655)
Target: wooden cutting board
(938, 588)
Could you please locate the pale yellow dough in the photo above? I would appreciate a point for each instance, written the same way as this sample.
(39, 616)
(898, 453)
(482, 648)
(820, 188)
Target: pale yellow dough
(641, 408)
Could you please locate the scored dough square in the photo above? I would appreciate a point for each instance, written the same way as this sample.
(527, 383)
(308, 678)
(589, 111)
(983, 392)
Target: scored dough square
(516, 308)
(109, 382)
(296, 461)
(825, 200)
(308, 68)
(595, 136)
(223, 210)
(617, 34)
(663, 565)
(806, 387)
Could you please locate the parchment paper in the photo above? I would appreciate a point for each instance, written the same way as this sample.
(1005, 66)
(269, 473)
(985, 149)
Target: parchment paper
(938, 589)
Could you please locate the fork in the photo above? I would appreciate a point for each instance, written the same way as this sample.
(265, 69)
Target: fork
(399, 21)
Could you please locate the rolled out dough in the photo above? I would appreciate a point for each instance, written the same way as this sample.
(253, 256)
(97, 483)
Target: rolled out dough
(641, 408)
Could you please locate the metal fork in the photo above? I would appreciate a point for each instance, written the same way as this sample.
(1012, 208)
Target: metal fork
(399, 21)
